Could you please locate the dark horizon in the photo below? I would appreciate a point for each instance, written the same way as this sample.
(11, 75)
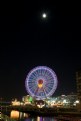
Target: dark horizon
(27, 41)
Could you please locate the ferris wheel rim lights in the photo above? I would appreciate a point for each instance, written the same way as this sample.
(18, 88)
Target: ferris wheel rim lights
(49, 74)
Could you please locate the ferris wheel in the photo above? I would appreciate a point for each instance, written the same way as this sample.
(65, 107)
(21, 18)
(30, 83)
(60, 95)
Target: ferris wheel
(41, 82)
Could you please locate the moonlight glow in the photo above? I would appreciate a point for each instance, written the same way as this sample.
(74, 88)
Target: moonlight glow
(44, 15)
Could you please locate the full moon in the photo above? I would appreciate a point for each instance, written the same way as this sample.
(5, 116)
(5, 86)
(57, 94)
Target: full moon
(44, 15)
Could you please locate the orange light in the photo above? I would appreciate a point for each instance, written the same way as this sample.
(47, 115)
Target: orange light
(40, 83)
(14, 114)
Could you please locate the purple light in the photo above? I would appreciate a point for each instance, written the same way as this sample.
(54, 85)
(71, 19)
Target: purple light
(47, 88)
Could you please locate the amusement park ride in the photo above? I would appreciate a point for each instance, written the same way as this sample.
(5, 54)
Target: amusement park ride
(41, 82)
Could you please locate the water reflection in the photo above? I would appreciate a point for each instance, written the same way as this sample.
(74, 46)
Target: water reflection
(40, 119)
(18, 115)
(26, 117)
(49, 119)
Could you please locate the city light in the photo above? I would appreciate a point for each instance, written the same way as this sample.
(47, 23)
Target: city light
(77, 101)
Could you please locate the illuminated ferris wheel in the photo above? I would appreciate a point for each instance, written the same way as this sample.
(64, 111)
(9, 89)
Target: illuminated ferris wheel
(41, 82)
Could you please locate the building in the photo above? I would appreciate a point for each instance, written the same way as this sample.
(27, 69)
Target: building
(78, 81)
(27, 99)
(63, 101)
(16, 102)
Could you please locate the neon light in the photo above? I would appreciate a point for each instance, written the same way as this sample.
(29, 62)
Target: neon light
(41, 82)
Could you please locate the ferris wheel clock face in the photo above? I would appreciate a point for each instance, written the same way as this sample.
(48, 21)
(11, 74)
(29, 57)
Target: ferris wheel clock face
(41, 82)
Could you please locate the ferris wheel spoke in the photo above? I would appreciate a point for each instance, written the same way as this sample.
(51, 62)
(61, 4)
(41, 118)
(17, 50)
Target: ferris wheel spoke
(34, 75)
(36, 90)
(45, 92)
(41, 82)
(48, 89)
(48, 85)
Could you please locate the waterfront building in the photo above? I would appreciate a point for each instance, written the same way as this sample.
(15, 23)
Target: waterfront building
(59, 101)
(16, 102)
(65, 100)
(27, 99)
(78, 82)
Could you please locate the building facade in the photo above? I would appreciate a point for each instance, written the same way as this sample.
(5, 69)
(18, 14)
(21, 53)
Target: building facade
(78, 81)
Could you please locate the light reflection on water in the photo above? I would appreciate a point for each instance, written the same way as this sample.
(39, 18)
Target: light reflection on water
(46, 119)
(18, 115)
(41, 119)
(26, 117)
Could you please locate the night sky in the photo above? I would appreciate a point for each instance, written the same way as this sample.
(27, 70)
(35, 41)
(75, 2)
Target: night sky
(27, 40)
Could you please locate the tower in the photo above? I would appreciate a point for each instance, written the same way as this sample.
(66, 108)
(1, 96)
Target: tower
(78, 82)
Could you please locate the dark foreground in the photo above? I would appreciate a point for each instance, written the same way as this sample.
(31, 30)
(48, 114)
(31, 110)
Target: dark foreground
(42, 111)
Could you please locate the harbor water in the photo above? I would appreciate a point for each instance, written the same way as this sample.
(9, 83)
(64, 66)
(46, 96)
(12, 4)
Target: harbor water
(19, 116)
